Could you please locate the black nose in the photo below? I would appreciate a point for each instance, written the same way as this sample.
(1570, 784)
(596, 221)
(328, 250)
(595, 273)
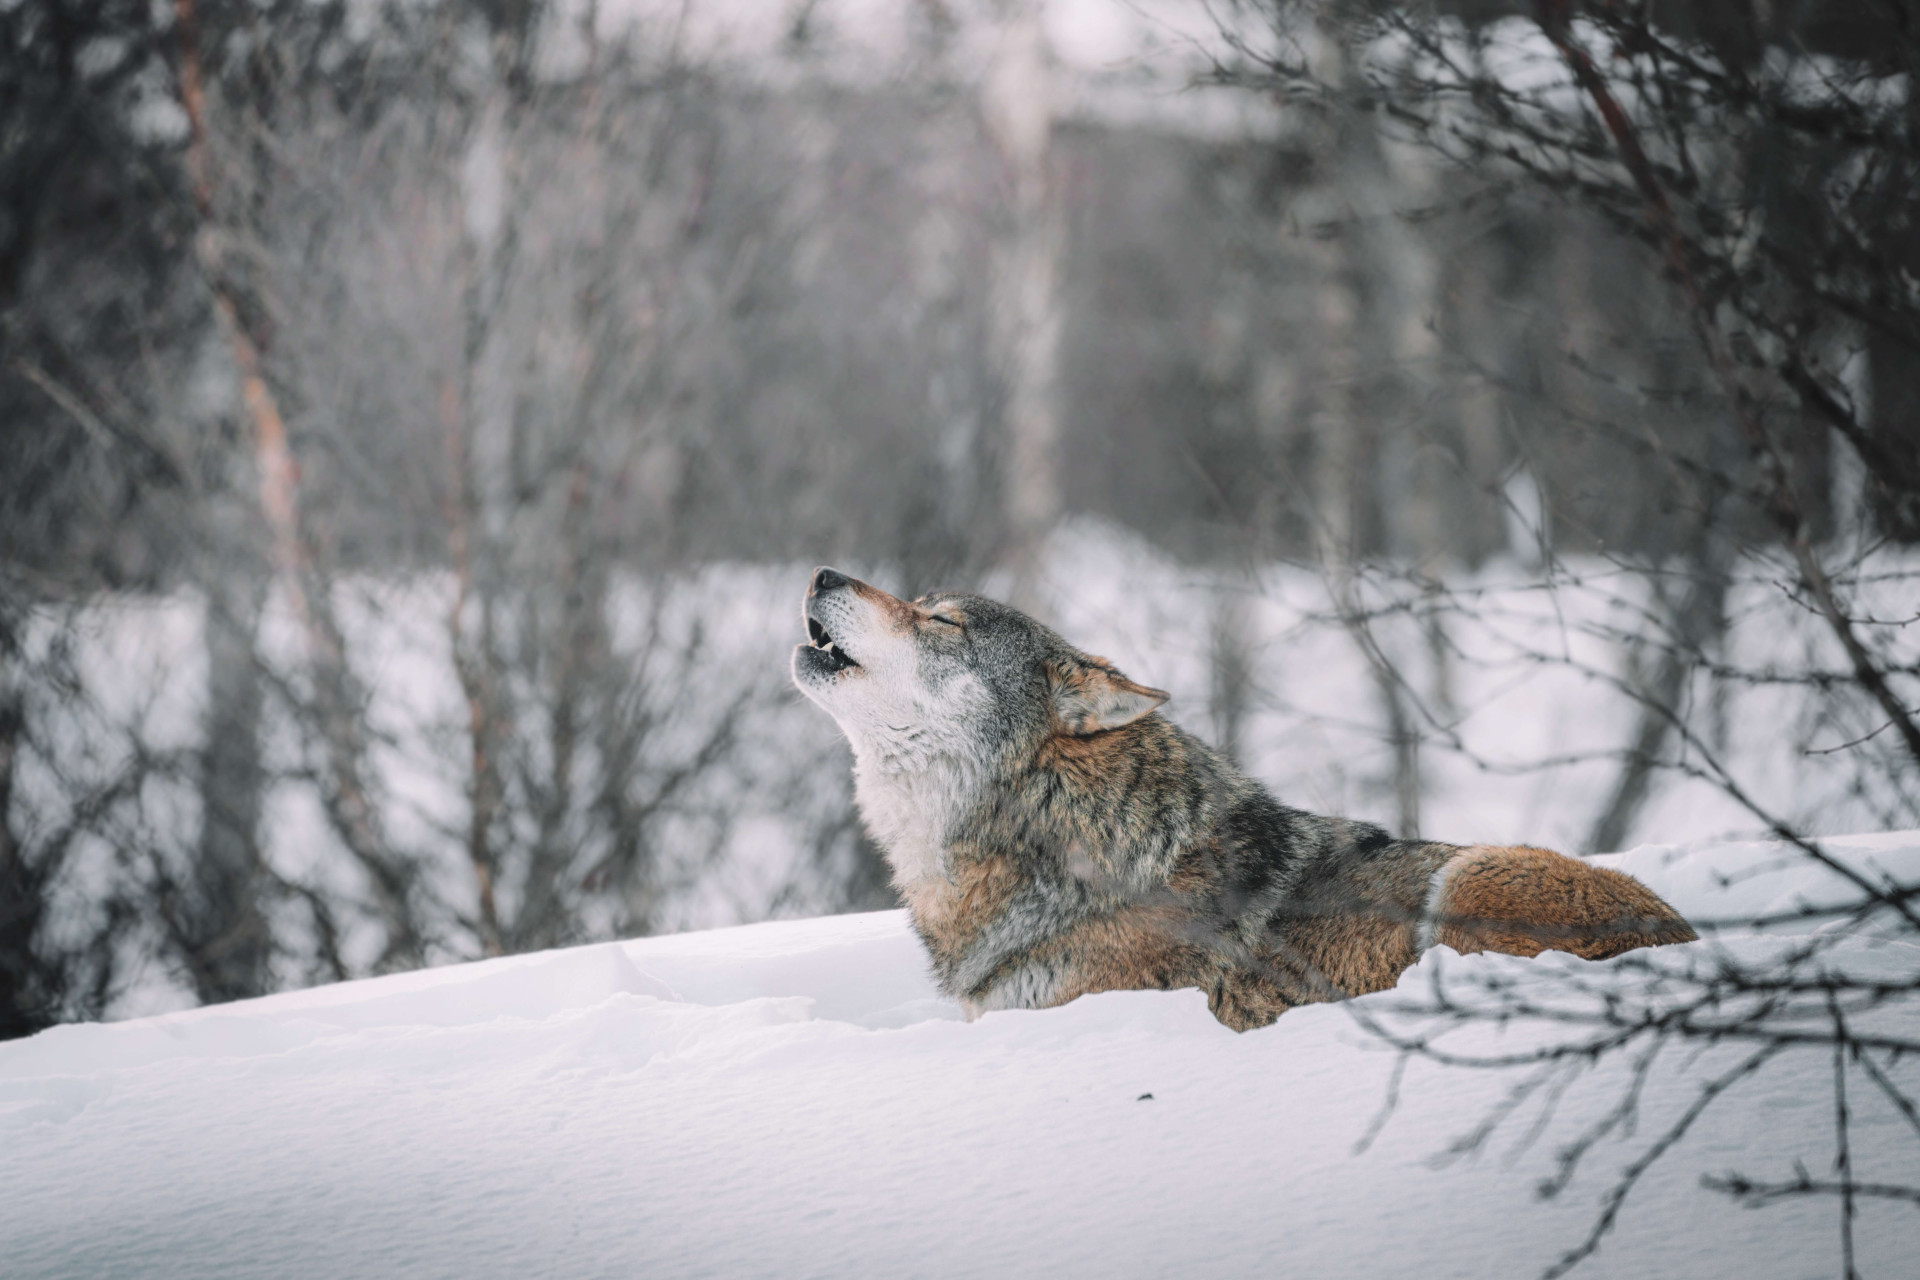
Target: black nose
(825, 579)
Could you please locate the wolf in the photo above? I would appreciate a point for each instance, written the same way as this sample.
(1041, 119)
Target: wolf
(1053, 835)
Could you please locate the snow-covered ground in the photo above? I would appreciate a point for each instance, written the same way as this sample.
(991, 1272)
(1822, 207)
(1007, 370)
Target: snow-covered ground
(794, 1099)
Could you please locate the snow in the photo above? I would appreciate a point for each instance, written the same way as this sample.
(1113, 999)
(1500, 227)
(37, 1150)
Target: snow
(795, 1099)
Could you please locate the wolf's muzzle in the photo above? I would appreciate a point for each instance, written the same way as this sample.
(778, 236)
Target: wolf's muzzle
(822, 651)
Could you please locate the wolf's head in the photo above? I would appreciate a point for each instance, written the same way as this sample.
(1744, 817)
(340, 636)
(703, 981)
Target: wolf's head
(950, 675)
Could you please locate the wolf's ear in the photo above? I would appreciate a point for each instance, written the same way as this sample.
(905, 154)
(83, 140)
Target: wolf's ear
(1089, 695)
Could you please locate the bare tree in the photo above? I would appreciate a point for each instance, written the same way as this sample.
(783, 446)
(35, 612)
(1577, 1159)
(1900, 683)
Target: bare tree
(1748, 162)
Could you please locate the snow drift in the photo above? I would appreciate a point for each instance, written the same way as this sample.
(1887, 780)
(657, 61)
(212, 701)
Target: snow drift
(795, 1099)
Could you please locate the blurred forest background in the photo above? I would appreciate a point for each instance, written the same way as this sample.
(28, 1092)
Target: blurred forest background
(418, 418)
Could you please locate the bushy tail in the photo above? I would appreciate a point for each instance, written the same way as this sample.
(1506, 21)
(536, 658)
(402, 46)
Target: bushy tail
(1522, 901)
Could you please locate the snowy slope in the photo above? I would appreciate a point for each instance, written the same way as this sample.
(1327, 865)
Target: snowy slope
(793, 1099)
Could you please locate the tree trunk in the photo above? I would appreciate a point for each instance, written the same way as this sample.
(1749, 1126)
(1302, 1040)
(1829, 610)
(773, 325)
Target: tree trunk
(1025, 283)
(336, 702)
(223, 928)
(1230, 669)
(23, 1000)
(1894, 375)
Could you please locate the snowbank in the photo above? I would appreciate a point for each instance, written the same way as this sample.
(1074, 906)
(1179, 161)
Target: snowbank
(794, 1099)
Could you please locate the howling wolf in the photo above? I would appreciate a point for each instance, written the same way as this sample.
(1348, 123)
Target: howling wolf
(1053, 835)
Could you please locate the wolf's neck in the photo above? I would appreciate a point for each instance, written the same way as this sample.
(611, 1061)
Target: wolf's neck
(911, 809)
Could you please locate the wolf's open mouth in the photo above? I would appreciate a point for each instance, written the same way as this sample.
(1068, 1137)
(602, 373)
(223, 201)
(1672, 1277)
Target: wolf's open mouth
(818, 637)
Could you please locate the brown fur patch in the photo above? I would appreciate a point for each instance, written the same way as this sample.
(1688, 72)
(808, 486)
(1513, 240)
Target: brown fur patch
(1356, 931)
(1089, 759)
(899, 614)
(1353, 954)
(1246, 1000)
(1523, 900)
(1130, 950)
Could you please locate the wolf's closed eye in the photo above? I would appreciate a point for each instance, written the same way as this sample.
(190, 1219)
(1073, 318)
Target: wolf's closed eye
(941, 617)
